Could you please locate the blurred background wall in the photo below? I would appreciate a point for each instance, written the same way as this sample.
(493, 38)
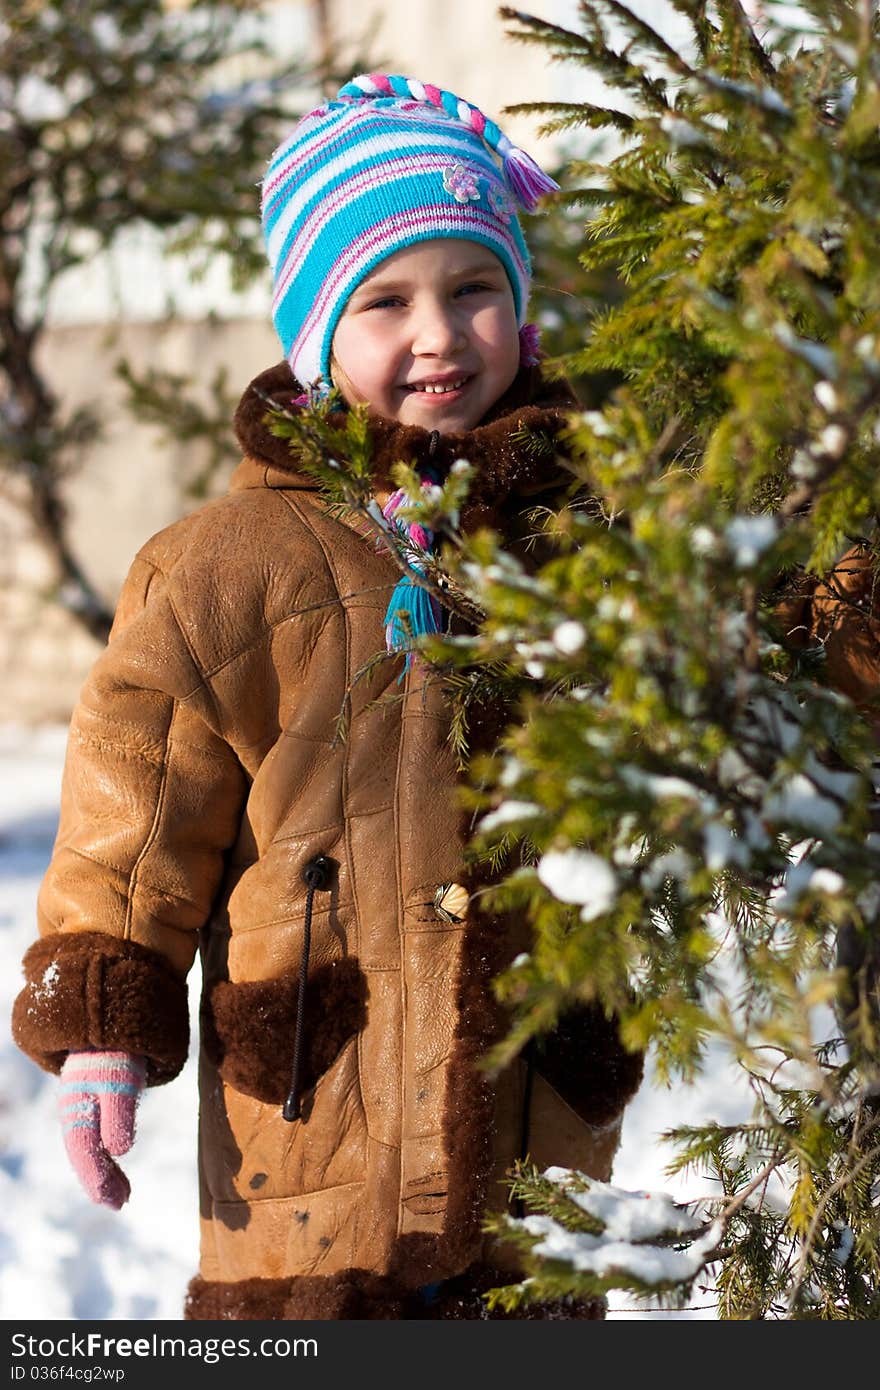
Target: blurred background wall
(135, 302)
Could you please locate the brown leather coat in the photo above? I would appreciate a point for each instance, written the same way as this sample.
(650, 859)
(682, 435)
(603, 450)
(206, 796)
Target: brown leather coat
(205, 770)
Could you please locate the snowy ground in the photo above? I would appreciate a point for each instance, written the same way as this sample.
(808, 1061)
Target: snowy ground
(60, 1256)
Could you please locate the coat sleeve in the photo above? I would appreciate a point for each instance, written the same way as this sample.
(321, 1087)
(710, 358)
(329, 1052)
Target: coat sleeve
(152, 796)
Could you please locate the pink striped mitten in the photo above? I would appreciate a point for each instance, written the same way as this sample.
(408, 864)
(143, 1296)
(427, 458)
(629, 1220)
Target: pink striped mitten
(97, 1104)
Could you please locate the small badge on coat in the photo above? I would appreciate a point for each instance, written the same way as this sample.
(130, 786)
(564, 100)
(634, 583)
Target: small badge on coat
(451, 902)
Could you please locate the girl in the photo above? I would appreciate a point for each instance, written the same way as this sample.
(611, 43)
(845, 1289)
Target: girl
(349, 1148)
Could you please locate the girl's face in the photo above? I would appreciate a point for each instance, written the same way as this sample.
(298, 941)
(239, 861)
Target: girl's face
(439, 314)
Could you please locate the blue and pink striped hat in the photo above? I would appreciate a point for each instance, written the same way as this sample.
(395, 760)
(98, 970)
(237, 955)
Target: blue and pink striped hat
(389, 163)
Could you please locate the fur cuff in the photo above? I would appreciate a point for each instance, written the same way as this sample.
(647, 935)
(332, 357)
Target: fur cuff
(88, 990)
(357, 1295)
(246, 1300)
(352, 1294)
(248, 1027)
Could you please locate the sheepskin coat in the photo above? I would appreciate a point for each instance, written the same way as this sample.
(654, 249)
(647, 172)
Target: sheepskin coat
(206, 769)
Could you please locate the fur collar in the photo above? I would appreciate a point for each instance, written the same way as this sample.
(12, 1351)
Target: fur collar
(504, 469)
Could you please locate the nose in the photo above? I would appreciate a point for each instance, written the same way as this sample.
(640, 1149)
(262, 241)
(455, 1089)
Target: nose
(437, 331)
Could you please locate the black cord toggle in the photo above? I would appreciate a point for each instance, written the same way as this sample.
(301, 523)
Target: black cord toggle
(316, 876)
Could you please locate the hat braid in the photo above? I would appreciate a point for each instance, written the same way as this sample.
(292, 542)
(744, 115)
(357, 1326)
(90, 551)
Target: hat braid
(525, 179)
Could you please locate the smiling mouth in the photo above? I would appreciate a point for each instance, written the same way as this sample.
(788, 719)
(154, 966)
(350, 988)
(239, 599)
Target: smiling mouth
(437, 388)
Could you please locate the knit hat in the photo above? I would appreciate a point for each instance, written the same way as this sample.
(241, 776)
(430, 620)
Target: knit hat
(389, 163)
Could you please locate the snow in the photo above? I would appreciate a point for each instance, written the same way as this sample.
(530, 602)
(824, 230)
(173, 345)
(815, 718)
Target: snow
(703, 540)
(602, 1256)
(62, 1257)
(721, 847)
(761, 96)
(833, 440)
(796, 801)
(827, 881)
(748, 537)
(628, 1215)
(675, 863)
(507, 813)
(681, 133)
(660, 786)
(801, 877)
(803, 465)
(577, 876)
(569, 636)
(827, 396)
(844, 1248)
(511, 772)
(596, 421)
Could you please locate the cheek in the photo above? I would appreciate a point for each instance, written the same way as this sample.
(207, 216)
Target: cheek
(344, 347)
(500, 338)
(363, 351)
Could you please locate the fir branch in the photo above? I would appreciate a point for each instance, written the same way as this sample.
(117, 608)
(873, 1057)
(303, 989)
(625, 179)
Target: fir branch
(617, 68)
(363, 672)
(705, 31)
(807, 1246)
(642, 30)
(758, 52)
(536, 30)
(733, 1204)
(762, 100)
(320, 446)
(829, 461)
(572, 114)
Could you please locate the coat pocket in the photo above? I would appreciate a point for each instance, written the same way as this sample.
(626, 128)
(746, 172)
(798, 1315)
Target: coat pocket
(248, 1027)
(585, 1062)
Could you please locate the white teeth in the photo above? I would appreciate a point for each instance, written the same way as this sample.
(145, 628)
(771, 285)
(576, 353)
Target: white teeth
(441, 390)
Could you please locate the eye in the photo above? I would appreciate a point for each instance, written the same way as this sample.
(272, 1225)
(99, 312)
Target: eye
(385, 303)
(473, 288)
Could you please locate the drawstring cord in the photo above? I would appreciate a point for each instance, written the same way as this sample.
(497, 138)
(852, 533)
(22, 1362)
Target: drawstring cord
(315, 876)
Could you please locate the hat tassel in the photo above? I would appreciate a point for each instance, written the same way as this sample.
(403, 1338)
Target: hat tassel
(525, 178)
